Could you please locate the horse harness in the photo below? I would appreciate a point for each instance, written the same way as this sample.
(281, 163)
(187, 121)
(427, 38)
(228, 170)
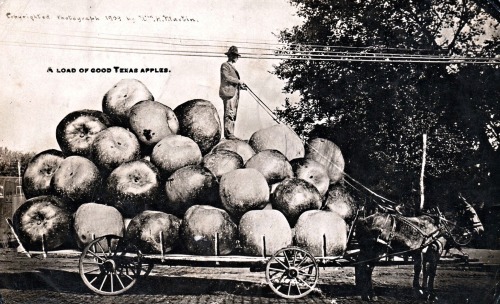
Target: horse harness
(427, 238)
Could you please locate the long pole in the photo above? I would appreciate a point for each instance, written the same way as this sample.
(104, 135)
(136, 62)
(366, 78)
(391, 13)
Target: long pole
(424, 153)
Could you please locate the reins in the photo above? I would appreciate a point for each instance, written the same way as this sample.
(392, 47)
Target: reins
(389, 204)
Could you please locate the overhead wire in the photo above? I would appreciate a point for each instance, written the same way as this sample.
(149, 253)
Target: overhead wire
(255, 42)
(325, 54)
(290, 52)
(381, 58)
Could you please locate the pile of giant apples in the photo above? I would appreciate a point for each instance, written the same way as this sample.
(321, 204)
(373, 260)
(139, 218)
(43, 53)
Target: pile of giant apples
(166, 181)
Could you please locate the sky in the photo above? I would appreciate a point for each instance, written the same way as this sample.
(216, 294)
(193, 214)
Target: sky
(38, 35)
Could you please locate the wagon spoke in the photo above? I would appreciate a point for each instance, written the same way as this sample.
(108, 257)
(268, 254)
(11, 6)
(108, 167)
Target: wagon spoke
(271, 275)
(294, 257)
(90, 271)
(102, 250)
(92, 263)
(306, 274)
(111, 278)
(302, 261)
(277, 270)
(98, 257)
(304, 282)
(130, 278)
(307, 266)
(298, 288)
(120, 281)
(93, 280)
(289, 287)
(286, 258)
(282, 264)
(103, 281)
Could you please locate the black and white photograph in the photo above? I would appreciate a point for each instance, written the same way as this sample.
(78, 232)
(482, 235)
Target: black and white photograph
(238, 151)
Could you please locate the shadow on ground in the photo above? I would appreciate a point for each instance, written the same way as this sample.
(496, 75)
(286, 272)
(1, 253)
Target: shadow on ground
(70, 282)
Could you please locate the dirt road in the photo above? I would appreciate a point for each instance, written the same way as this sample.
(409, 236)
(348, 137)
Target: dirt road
(56, 280)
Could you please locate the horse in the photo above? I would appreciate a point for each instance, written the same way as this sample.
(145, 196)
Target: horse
(424, 237)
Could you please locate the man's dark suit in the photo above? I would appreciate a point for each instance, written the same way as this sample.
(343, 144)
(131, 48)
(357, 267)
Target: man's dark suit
(229, 91)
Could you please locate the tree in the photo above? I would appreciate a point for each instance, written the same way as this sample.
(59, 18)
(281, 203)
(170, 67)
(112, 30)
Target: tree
(9, 161)
(377, 112)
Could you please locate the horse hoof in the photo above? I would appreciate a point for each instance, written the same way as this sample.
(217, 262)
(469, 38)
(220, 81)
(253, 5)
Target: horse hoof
(368, 298)
(431, 298)
(419, 293)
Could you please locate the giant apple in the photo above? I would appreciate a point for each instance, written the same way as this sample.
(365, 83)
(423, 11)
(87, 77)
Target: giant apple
(121, 97)
(243, 190)
(329, 155)
(340, 200)
(272, 164)
(322, 233)
(264, 232)
(312, 172)
(151, 121)
(153, 232)
(42, 220)
(293, 196)
(278, 137)
(39, 172)
(199, 120)
(133, 187)
(77, 180)
(174, 152)
(206, 230)
(95, 220)
(188, 186)
(222, 161)
(236, 145)
(77, 130)
(113, 147)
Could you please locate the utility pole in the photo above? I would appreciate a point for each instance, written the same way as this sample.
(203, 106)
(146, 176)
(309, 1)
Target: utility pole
(424, 153)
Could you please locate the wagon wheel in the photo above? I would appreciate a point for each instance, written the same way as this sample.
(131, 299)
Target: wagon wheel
(292, 273)
(110, 267)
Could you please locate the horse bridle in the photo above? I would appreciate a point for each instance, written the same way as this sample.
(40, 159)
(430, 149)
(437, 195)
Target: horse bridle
(461, 236)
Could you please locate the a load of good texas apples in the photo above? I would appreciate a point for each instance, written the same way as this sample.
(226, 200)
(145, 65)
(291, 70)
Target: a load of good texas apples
(140, 169)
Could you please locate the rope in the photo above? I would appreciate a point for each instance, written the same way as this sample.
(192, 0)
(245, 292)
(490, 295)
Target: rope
(275, 118)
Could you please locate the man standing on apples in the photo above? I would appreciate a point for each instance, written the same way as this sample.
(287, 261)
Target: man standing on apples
(229, 91)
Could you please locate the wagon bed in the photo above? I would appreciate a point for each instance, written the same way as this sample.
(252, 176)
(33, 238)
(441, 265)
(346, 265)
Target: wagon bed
(110, 266)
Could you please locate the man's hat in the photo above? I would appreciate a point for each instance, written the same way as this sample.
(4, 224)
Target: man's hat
(233, 50)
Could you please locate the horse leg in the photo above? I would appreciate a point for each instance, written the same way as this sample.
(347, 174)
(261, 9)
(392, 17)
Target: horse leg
(371, 292)
(417, 269)
(431, 269)
(363, 278)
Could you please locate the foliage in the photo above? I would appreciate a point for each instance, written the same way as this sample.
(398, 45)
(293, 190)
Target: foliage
(377, 112)
(9, 161)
